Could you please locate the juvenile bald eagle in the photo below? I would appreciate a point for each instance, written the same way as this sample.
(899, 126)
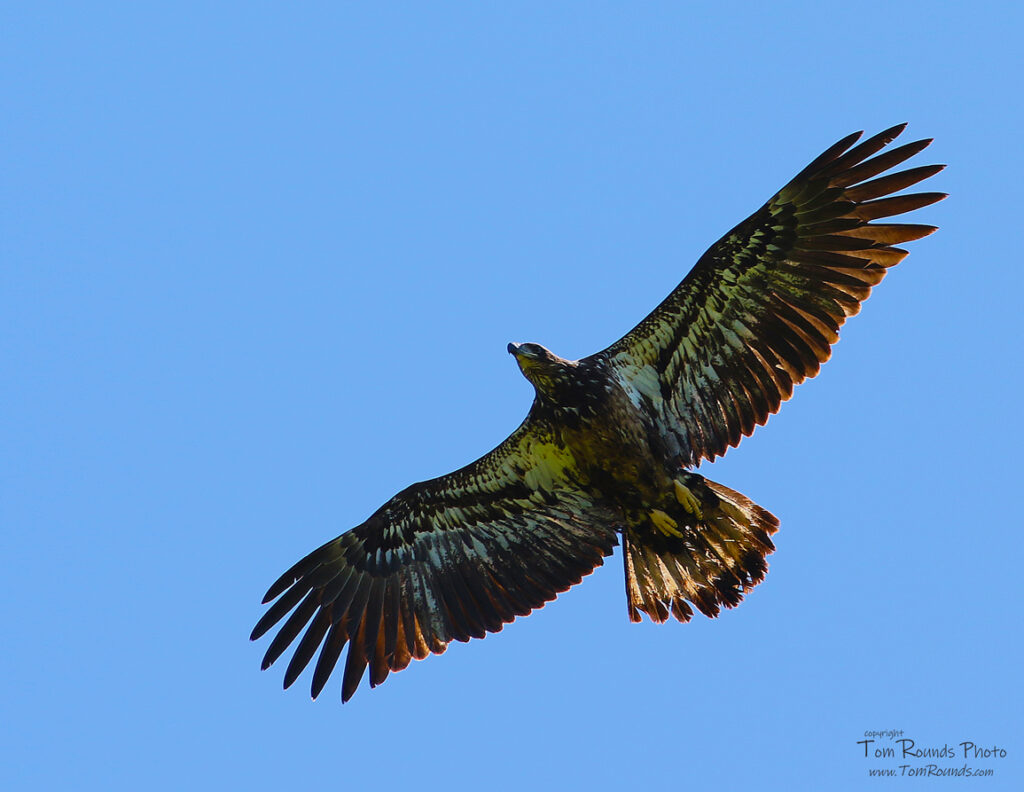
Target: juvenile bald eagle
(607, 447)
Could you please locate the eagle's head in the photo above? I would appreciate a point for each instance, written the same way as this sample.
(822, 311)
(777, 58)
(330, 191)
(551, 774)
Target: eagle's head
(546, 370)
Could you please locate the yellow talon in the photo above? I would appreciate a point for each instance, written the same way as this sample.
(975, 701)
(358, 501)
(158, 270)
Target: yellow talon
(665, 524)
(688, 500)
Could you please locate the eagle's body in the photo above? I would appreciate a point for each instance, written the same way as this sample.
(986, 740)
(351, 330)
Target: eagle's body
(608, 443)
(598, 439)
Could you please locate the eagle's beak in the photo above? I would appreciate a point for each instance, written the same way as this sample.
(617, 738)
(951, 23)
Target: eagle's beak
(513, 348)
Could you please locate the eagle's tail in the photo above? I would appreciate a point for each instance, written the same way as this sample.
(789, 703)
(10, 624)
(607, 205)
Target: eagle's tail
(717, 557)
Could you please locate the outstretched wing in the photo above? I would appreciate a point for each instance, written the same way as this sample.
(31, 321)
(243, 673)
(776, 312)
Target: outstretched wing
(452, 558)
(760, 310)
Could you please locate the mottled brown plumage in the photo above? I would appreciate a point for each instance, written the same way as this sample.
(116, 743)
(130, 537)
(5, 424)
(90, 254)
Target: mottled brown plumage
(605, 447)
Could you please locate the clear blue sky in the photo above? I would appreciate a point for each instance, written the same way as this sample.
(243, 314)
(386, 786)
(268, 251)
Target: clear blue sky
(259, 268)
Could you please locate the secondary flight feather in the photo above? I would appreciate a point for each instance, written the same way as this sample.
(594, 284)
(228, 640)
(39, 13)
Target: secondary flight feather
(609, 444)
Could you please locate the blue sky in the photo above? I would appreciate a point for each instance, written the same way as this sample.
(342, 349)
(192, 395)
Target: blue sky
(259, 268)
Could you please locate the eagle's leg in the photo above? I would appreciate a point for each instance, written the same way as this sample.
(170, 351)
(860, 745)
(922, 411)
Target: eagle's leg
(687, 499)
(661, 521)
(692, 512)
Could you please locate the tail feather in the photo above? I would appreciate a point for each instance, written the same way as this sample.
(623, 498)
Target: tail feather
(713, 565)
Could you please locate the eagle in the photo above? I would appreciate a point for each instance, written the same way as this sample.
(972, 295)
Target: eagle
(609, 446)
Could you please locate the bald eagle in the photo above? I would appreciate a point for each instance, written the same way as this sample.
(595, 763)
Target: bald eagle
(609, 445)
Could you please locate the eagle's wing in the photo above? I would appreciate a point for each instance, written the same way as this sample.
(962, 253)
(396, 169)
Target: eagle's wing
(447, 559)
(760, 310)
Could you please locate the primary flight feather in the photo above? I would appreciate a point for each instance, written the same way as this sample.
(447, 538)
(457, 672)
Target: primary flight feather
(606, 448)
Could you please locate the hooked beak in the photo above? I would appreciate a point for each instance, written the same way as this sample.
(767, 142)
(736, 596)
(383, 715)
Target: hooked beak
(513, 349)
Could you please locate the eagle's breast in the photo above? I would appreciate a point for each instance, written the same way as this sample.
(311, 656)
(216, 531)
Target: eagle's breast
(605, 433)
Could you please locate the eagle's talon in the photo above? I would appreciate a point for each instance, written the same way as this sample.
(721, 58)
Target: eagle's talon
(665, 524)
(688, 500)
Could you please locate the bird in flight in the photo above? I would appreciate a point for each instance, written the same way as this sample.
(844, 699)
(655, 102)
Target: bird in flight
(609, 445)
